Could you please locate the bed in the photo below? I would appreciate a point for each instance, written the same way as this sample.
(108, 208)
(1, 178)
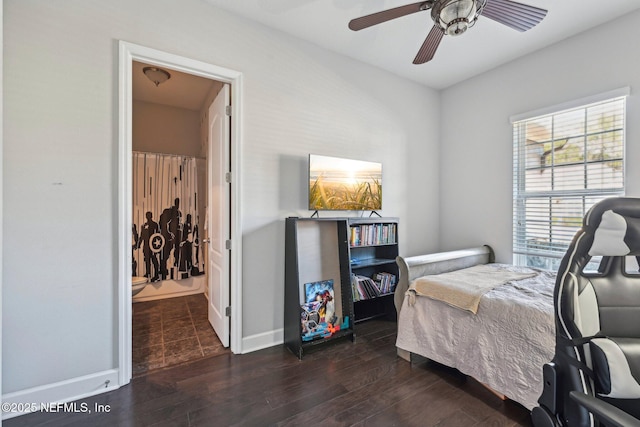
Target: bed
(503, 346)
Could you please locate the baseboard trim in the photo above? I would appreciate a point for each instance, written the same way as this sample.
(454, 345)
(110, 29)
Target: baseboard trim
(61, 392)
(264, 340)
(171, 289)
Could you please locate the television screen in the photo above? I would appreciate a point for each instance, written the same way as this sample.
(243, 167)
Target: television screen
(344, 184)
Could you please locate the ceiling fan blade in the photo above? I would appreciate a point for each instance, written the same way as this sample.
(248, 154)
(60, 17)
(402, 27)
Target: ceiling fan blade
(430, 45)
(387, 15)
(518, 16)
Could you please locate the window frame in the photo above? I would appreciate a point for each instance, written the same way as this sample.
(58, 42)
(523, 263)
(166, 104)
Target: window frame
(548, 256)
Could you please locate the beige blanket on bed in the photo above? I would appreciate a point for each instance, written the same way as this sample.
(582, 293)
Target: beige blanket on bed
(463, 288)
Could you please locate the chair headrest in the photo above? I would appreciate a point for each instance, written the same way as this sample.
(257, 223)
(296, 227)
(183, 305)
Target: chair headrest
(614, 224)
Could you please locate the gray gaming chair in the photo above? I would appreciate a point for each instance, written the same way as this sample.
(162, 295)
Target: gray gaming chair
(594, 377)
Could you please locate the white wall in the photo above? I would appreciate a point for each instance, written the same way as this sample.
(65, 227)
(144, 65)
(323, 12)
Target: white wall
(163, 129)
(476, 146)
(60, 162)
(1, 175)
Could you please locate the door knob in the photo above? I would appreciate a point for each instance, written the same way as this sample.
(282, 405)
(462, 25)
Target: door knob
(206, 240)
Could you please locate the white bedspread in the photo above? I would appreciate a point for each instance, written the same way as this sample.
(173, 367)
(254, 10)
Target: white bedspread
(465, 287)
(504, 345)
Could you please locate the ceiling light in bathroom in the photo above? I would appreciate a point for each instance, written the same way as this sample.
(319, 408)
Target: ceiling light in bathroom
(156, 75)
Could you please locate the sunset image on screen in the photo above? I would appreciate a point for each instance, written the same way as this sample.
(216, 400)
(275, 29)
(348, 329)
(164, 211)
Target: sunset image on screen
(344, 184)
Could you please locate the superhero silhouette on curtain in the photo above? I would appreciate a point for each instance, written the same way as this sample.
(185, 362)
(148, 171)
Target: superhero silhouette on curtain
(166, 238)
(168, 246)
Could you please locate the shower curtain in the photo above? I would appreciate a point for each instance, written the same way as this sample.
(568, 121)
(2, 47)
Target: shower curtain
(166, 241)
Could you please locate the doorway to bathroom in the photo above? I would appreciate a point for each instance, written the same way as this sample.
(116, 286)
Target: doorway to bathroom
(183, 152)
(179, 149)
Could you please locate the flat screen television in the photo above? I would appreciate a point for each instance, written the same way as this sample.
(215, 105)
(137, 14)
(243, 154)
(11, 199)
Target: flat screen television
(337, 184)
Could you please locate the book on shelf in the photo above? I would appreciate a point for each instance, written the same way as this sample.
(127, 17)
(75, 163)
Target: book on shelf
(386, 282)
(354, 239)
(364, 287)
(372, 234)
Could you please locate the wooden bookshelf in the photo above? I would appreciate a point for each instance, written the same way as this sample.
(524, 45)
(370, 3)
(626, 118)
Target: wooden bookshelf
(373, 248)
(316, 250)
(326, 249)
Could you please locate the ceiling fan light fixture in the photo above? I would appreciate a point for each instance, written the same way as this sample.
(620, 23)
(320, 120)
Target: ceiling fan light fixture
(455, 17)
(156, 75)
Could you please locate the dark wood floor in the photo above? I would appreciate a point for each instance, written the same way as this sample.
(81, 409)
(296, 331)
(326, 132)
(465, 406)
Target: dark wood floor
(344, 384)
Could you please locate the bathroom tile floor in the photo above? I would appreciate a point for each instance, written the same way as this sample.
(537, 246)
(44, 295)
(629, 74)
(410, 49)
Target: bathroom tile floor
(171, 331)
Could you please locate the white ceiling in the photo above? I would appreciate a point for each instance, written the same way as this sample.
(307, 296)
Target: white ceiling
(393, 45)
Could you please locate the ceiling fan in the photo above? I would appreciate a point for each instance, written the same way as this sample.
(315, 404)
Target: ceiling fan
(454, 17)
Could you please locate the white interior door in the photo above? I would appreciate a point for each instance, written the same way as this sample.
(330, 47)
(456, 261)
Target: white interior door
(218, 213)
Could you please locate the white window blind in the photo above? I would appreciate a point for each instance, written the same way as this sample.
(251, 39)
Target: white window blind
(564, 162)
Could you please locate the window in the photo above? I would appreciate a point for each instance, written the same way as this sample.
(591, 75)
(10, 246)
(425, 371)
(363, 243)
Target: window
(564, 162)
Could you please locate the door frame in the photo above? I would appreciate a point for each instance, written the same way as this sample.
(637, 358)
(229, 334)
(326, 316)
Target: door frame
(129, 52)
